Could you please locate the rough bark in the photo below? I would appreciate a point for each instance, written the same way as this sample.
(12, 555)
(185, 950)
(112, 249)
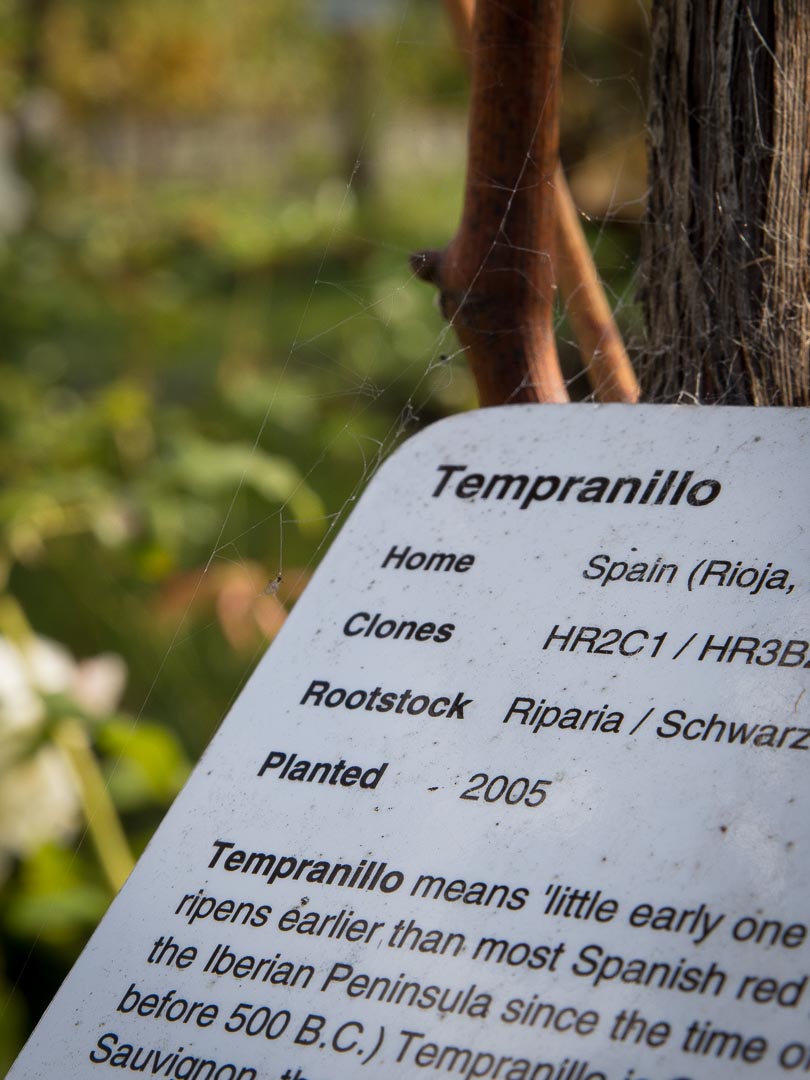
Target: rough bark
(496, 277)
(727, 246)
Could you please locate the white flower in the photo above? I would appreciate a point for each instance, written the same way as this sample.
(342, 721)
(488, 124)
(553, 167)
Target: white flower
(38, 797)
(38, 802)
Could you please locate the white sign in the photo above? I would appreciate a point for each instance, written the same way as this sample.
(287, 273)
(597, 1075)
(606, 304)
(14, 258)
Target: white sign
(520, 792)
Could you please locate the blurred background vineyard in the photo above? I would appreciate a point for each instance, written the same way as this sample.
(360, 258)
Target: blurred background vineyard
(208, 336)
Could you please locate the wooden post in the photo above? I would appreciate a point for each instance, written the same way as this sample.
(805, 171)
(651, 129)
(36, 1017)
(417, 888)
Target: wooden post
(727, 246)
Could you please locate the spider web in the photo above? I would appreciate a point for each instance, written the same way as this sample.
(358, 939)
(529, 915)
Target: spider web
(607, 173)
(602, 146)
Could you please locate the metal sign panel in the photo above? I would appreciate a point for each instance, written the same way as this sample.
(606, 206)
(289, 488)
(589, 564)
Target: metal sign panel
(520, 792)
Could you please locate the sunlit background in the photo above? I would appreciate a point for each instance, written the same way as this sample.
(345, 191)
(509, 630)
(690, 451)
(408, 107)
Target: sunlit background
(209, 337)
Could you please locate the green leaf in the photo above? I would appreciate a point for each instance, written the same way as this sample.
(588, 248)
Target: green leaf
(208, 469)
(146, 763)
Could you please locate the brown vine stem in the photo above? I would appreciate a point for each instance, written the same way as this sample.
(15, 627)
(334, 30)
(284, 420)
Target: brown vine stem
(496, 277)
(461, 13)
(604, 356)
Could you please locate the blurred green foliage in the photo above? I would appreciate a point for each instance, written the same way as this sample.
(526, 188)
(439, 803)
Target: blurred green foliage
(209, 336)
